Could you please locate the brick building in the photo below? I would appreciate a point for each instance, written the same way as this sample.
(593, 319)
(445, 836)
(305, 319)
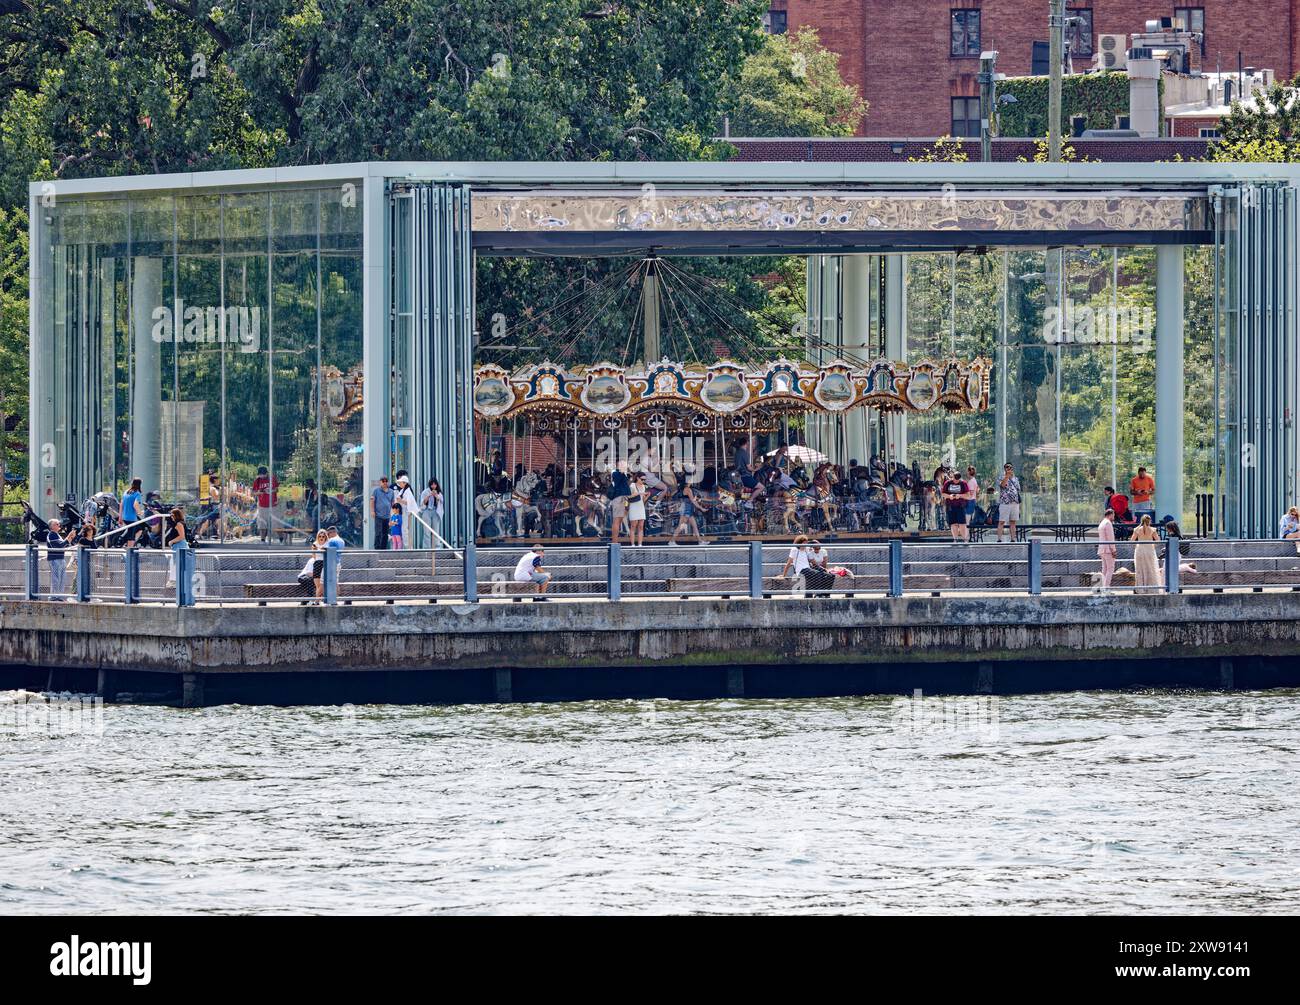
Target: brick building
(916, 62)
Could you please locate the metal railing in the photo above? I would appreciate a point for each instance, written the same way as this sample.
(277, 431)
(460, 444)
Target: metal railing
(208, 576)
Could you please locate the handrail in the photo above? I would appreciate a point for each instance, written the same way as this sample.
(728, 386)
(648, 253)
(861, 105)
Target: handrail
(137, 523)
(438, 537)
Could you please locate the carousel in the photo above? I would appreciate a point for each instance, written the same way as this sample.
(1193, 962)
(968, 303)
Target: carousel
(552, 434)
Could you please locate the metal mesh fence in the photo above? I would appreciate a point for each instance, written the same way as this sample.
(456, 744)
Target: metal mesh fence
(13, 574)
(966, 567)
(571, 572)
(404, 574)
(267, 576)
(849, 569)
(693, 571)
(107, 575)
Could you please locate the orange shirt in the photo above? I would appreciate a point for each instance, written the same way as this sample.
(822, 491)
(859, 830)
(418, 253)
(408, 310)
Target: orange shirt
(1141, 487)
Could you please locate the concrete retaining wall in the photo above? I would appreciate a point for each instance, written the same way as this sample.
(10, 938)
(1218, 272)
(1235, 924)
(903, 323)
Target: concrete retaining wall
(972, 644)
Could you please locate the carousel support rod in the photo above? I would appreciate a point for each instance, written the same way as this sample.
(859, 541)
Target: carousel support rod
(896, 348)
(650, 314)
(856, 313)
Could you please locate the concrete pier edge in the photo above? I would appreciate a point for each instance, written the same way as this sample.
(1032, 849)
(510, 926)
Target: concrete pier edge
(751, 645)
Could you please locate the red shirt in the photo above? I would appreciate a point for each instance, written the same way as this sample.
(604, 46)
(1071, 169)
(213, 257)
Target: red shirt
(1141, 488)
(260, 485)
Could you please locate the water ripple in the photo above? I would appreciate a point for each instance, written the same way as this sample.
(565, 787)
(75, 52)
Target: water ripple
(1176, 802)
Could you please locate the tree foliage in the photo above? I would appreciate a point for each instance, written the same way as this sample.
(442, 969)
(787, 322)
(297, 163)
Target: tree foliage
(792, 87)
(1268, 132)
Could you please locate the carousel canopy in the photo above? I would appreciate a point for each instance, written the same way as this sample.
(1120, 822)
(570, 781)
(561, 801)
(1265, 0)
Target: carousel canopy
(726, 389)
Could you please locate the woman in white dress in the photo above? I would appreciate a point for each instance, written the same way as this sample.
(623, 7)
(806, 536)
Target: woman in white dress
(636, 511)
(1145, 567)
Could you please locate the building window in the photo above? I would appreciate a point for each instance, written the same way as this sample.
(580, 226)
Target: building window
(775, 22)
(1041, 62)
(966, 32)
(1209, 133)
(1078, 34)
(965, 117)
(1193, 19)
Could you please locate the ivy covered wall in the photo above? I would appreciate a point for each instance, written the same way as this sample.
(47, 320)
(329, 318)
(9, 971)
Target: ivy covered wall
(1099, 96)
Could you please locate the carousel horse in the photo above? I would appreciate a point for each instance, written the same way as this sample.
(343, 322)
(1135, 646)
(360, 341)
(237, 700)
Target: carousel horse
(820, 495)
(591, 507)
(492, 506)
(521, 501)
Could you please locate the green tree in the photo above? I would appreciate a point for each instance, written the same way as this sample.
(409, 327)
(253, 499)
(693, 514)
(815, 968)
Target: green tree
(1270, 131)
(13, 339)
(792, 87)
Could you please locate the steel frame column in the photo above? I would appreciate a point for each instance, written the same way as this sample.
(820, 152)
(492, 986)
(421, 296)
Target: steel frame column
(1169, 381)
(442, 289)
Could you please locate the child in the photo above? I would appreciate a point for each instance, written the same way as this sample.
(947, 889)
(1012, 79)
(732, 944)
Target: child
(395, 527)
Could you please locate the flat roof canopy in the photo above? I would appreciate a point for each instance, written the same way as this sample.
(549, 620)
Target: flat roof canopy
(795, 207)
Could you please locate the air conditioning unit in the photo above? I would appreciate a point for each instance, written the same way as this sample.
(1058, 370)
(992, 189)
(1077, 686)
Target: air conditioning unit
(1112, 52)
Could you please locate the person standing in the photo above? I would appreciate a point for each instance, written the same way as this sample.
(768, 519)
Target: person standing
(1106, 548)
(431, 508)
(132, 503)
(636, 512)
(395, 526)
(403, 493)
(381, 508)
(686, 518)
(55, 555)
(954, 499)
(315, 567)
(1008, 501)
(1141, 489)
(619, 491)
(267, 489)
(311, 504)
(1145, 567)
(972, 496)
(175, 532)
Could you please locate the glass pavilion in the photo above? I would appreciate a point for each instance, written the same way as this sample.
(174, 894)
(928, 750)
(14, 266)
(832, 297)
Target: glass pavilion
(319, 322)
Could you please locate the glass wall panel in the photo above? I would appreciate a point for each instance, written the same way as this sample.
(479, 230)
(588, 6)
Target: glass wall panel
(977, 326)
(192, 432)
(341, 354)
(928, 300)
(1087, 359)
(295, 440)
(247, 451)
(1135, 368)
(1031, 380)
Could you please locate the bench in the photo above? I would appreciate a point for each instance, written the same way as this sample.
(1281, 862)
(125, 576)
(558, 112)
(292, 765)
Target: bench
(418, 589)
(776, 584)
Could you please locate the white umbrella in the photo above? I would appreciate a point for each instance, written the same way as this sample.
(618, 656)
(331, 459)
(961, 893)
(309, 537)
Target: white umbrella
(804, 455)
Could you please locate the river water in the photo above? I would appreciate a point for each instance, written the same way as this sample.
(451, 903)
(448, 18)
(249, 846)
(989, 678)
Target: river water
(1079, 802)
